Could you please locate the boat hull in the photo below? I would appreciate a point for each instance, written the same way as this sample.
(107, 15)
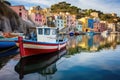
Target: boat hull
(6, 44)
(28, 48)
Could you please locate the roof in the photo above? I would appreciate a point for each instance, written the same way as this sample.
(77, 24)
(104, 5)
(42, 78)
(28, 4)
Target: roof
(19, 6)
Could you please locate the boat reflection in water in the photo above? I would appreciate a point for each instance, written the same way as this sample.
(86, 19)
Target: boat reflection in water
(42, 64)
(9, 51)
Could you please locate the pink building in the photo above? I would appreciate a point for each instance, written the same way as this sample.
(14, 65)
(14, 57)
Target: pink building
(38, 18)
(74, 21)
(71, 21)
(68, 20)
(21, 11)
(99, 27)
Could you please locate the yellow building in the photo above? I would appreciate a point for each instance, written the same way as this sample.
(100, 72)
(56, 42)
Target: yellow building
(84, 24)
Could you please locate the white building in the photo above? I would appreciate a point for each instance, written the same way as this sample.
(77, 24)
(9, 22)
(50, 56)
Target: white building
(59, 23)
(111, 27)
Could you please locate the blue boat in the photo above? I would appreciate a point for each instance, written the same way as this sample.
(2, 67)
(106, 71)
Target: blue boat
(71, 33)
(7, 43)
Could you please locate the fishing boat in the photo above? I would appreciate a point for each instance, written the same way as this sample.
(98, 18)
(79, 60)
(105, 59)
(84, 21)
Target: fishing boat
(42, 64)
(45, 41)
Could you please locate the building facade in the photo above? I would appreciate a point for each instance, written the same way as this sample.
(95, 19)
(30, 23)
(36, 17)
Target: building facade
(99, 27)
(111, 27)
(21, 11)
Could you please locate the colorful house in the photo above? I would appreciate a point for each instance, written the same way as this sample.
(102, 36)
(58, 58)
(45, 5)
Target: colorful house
(99, 27)
(84, 24)
(111, 27)
(59, 22)
(90, 23)
(68, 20)
(79, 26)
(87, 24)
(37, 16)
(50, 21)
(21, 11)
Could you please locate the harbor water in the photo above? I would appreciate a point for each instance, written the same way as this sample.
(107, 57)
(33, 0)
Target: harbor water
(93, 57)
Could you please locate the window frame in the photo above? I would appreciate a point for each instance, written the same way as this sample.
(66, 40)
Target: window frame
(40, 31)
(45, 31)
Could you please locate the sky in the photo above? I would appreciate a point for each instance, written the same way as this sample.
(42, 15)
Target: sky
(106, 6)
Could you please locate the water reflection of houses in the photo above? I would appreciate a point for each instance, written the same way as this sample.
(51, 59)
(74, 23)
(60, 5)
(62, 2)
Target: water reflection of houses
(98, 39)
(89, 43)
(85, 43)
(112, 40)
(118, 38)
(97, 42)
(43, 65)
(72, 45)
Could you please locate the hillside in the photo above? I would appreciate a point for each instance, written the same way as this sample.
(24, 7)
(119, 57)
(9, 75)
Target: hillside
(10, 21)
(66, 7)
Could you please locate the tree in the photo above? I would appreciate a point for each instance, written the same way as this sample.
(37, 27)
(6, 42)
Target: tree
(64, 7)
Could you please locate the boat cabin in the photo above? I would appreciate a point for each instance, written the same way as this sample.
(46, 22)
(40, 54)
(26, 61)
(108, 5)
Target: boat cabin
(46, 34)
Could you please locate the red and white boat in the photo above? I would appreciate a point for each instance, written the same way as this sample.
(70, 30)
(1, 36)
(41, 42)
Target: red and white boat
(46, 41)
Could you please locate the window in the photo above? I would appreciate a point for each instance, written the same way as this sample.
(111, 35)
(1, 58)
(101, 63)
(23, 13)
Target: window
(36, 20)
(54, 32)
(47, 31)
(20, 14)
(40, 31)
(20, 9)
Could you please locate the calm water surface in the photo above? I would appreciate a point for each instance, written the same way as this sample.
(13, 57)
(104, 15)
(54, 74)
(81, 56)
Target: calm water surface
(86, 58)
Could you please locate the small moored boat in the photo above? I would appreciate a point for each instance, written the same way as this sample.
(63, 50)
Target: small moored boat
(6, 43)
(46, 41)
(7, 40)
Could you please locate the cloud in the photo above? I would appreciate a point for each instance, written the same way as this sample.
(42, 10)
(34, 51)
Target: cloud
(107, 6)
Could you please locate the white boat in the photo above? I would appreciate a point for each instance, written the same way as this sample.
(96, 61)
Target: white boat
(45, 41)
